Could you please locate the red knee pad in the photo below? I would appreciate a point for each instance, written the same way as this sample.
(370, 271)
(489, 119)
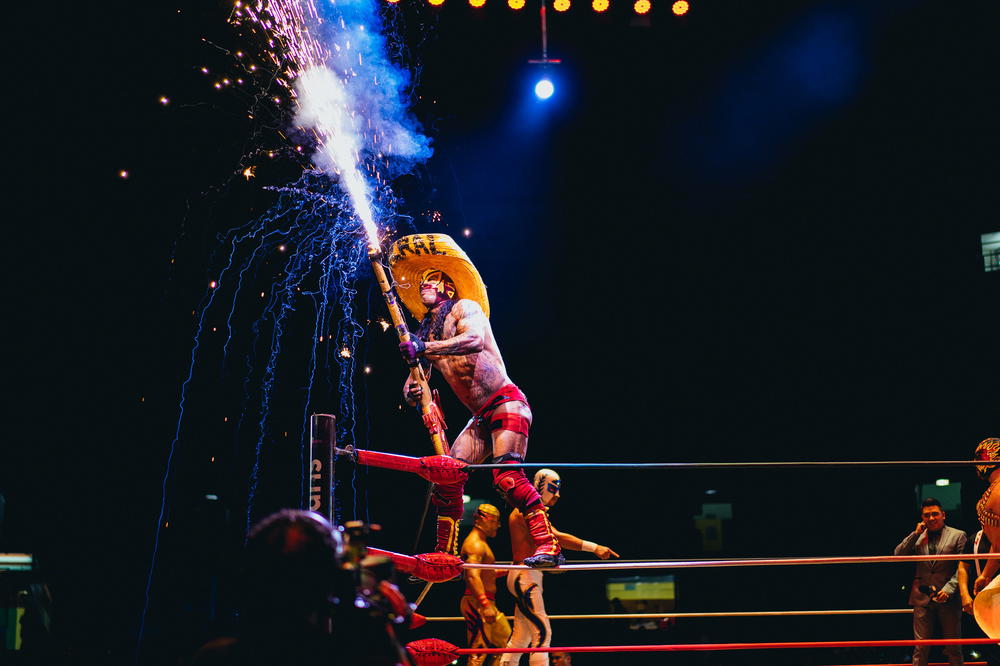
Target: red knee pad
(447, 498)
(513, 422)
(514, 486)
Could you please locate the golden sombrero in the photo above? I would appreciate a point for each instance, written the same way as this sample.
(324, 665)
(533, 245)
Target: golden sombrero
(411, 256)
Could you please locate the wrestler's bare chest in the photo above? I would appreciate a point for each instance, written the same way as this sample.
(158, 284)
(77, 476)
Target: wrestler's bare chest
(474, 376)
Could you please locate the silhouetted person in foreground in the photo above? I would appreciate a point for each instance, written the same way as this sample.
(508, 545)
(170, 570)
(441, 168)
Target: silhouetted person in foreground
(301, 601)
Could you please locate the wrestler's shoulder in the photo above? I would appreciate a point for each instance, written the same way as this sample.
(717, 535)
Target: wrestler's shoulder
(466, 307)
(474, 545)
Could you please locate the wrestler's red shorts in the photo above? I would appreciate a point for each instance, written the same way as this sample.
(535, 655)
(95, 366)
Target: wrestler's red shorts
(512, 422)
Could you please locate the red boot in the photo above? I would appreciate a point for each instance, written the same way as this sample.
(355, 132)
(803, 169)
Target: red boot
(547, 550)
(447, 499)
(447, 535)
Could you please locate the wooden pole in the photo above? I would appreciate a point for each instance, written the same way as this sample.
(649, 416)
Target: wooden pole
(433, 419)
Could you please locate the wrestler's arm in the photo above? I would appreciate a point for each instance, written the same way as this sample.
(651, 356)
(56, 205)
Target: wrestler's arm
(990, 567)
(963, 586)
(473, 578)
(470, 332)
(571, 542)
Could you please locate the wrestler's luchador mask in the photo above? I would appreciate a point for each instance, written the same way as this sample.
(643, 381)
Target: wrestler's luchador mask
(988, 450)
(488, 511)
(547, 484)
(442, 284)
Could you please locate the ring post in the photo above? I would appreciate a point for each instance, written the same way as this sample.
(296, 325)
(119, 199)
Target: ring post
(322, 441)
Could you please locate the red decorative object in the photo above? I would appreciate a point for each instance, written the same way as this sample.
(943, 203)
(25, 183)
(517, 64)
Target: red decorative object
(431, 652)
(436, 469)
(432, 567)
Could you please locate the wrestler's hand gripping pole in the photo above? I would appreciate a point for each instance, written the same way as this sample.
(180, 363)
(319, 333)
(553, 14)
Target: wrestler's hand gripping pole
(429, 410)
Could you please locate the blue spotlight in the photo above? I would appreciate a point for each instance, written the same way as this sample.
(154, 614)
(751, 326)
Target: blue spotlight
(544, 89)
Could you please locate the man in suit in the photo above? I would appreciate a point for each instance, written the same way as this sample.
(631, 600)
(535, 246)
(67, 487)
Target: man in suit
(934, 594)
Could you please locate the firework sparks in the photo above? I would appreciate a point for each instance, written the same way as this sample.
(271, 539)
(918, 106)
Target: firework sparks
(329, 62)
(348, 94)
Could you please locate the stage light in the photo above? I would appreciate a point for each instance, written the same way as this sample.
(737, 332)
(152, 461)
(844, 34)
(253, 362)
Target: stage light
(477, 3)
(515, 4)
(560, 5)
(642, 6)
(600, 5)
(544, 89)
(681, 7)
(435, 3)
(392, 2)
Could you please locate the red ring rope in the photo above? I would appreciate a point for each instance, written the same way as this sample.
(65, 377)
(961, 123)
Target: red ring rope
(691, 647)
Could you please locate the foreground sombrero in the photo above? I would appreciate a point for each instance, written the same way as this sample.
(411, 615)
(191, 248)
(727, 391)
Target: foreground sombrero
(412, 256)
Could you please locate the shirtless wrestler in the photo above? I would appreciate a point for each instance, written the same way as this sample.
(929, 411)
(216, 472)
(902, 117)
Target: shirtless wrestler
(485, 626)
(456, 339)
(531, 623)
(987, 609)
